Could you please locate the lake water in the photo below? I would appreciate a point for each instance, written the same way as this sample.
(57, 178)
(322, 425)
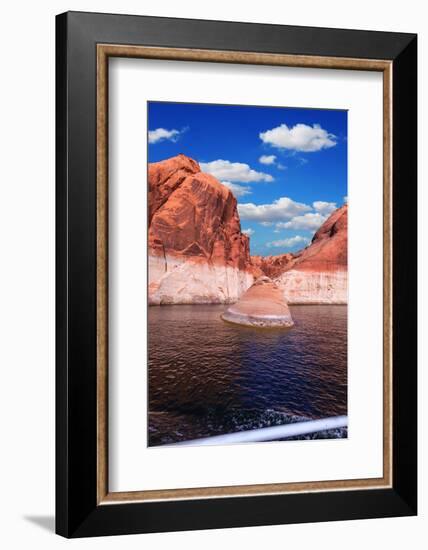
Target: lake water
(207, 377)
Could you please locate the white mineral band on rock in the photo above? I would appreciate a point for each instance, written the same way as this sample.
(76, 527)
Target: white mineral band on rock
(262, 305)
(257, 321)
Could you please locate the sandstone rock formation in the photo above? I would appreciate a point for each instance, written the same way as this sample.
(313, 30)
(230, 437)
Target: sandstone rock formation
(262, 305)
(197, 253)
(318, 273)
(328, 250)
(272, 266)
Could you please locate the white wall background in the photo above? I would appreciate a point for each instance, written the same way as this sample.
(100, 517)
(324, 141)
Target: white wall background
(27, 272)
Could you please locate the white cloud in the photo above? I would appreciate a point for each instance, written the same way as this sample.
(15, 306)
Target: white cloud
(279, 210)
(248, 232)
(266, 224)
(324, 207)
(345, 199)
(289, 243)
(281, 166)
(233, 171)
(162, 134)
(238, 190)
(310, 221)
(267, 159)
(300, 137)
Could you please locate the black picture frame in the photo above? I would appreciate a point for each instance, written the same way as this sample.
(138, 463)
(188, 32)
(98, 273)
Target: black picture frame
(77, 512)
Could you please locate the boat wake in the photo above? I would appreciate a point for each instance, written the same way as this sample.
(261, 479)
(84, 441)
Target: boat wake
(171, 427)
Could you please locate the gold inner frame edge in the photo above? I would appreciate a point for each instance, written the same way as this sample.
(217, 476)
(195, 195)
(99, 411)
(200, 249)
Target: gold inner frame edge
(104, 51)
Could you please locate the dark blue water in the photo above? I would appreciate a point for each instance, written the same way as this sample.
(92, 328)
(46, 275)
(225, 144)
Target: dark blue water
(207, 377)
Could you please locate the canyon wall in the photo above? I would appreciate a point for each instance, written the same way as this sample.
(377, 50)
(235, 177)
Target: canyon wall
(318, 274)
(197, 253)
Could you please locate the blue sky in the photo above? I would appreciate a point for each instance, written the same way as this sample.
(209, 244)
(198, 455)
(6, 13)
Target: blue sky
(287, 167)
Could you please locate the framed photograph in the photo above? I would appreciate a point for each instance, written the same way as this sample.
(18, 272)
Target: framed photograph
(236, 274)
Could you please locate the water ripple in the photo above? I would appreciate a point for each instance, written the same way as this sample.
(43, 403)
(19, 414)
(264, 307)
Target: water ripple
(207, 377)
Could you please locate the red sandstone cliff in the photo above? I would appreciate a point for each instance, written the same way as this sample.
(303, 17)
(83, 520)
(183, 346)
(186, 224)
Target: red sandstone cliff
(318, 273)
(272, 266)
(328, 250)
(197, 253)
